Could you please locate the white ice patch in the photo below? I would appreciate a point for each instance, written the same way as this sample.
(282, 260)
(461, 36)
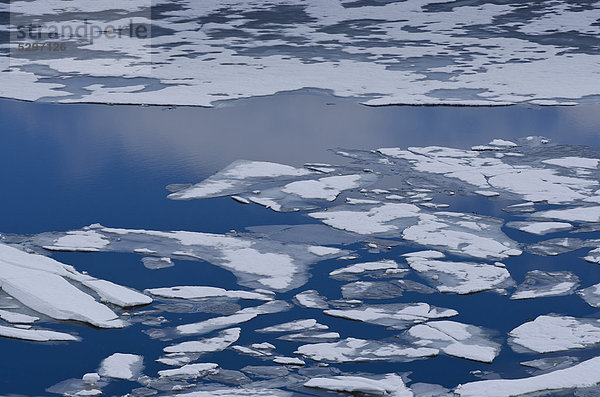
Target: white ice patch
(360, 350)
(311, 299)
(363, 267)
(394, 315)
(190, 371)
(223, 340)
(36, 335)
(390, 385)
(574, 162)
(461, 277)
(540, 228)
(39, 283)
(455, 339)
(122, 366)
(539, 284)
(296, 325)
(79, 240)
(238, 177)
(585, 374)
(199, 292)
(17, 318)
(591, 295)
(553, 333)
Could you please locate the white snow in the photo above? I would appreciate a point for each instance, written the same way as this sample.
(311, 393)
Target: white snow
(288, 361)
(17, 318)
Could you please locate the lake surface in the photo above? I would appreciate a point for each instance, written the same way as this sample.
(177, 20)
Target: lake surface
(68, 166)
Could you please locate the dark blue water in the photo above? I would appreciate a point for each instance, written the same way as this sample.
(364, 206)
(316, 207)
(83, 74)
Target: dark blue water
(66, 166)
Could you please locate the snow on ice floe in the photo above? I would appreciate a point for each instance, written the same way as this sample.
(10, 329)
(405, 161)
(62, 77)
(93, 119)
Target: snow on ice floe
(455, 339)
(386, 385)
(394, 315)
(311, 299)
(361, 350)
(364, 267)
(220, 342)
(241, 316)
(190, 371)
(553, 333)
(460, 277)
(540, 228)
(297, 325)
(539, 284)
(199, 292)
(17, 318)
(257, 263)
(122, 366)
(466, 234)
(582, 375)
(41, 283)
(511, 59)
(591, 295)
(36, 335)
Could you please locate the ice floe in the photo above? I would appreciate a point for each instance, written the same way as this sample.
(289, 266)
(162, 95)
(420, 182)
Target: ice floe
(540, 228)
(553, 333)
(41, 283)
(36, 335)
(189, 371)
(198, 292)
(461, 277)
(387, 385)
(394, 315)
(585, 374)
(539, 284)
(256, 263)
(455, 339)
(122, 366)
(311, 299)
(361, 350)
(208, 345)
(591, 295)
(296, 325)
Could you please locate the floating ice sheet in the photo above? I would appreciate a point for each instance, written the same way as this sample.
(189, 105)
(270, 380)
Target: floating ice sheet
(361, 350)
(552, 333)
(386, 385)
(539, 284)
(296, 325)
(591, 295)
(256, 263)
(36, 335)
(122, 366)
(540, 228)
(208, 345)
(395, 315)
(311, 299)
(585, 374)
(461, 277)
(199, 292)
(455, 339)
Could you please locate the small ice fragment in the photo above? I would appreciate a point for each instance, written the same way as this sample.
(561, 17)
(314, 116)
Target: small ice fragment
(358, 268)
(91, 378)
(145, 251)
(190, 371)
(311, 299)
(487, 193)
(288, 361)
(223, 340)
(240, 199)
(296, 325)
(153, 263)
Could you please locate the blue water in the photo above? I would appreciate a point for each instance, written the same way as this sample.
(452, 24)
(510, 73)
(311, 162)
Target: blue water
(67, 166)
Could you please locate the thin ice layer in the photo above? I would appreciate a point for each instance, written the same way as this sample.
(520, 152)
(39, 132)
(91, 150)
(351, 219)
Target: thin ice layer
(539, 284)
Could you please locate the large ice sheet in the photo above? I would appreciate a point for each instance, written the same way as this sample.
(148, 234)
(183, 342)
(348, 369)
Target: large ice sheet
(417, 51)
